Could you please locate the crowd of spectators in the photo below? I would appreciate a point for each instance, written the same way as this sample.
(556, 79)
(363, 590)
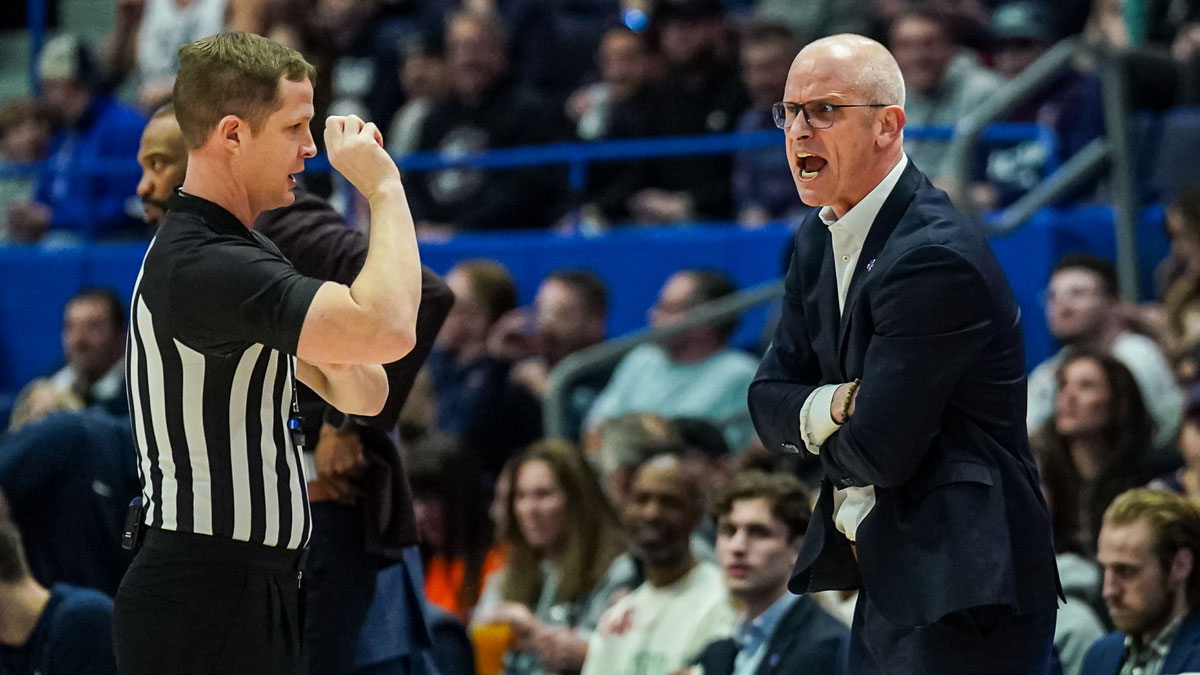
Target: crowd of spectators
(462, 77)
(657, 536)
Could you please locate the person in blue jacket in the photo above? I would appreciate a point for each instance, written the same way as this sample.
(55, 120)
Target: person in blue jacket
(1148, 543)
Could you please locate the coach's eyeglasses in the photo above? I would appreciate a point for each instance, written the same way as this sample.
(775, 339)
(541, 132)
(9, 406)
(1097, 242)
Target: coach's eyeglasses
(816, 115)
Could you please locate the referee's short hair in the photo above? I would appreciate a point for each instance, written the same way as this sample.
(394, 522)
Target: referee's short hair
(231, 74)
(13, 566)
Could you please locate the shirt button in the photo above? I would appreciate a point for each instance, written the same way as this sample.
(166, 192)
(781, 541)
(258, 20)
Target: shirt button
(845, 258)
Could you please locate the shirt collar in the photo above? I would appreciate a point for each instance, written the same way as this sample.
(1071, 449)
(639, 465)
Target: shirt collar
(214, 215)
(1156, 648)
(753, 633)
(859, 218)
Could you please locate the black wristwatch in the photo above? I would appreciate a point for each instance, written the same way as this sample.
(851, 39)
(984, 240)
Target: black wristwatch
(339, 420)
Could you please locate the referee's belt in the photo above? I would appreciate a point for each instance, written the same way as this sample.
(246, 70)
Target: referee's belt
(202, 548)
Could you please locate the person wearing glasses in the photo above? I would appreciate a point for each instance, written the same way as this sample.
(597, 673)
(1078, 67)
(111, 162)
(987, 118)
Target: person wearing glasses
(898, 361)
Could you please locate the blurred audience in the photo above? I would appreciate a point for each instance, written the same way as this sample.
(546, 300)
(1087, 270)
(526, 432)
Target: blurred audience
(1185, 481)
(93, 342)
(1148, 547)
(696, 374)
(763, 189)
(1069, 104)
(818, 19)
(25, 130)
(699, 93)
(60, 630)
(81, 190)
(1098, 444)
(626, 68)
(761, 521)
(1083, 311)
(944, 83)
(449, 498)
(569, 314)
(423, 77)
(485, 110)
(69, 479)
(682, 605)
(1178, 317)
(560, 575)
(468, 384)
(623, 443)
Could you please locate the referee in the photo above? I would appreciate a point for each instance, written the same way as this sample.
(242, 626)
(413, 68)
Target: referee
(219, 318)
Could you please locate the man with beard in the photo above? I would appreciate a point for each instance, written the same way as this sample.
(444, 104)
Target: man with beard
(352, 459)
(1147, 548)
(683, 604)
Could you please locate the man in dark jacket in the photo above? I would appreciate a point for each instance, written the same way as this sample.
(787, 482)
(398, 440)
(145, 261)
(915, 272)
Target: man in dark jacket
(761, 520)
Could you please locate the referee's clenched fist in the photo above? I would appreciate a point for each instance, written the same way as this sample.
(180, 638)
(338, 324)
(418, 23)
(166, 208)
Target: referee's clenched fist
(356, 150)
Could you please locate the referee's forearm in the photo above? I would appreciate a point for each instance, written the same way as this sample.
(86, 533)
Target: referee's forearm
(389, 285)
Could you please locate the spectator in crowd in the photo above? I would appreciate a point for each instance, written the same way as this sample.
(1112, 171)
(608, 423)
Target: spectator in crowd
(560, 575)
(1083, 311)
(812, 20)
(61, 630)
(69, 479)
(25, 130)
(449, 498)
(763, 189)
(761, 521)
(626, 68)
(1022, 32)
(423, 76)
(682, 605)
(1185, 481)
(74, 197)
(700, 93)
(468, 383)
(570, 314)
(696, 374)
(93, 340)
(485, 110)
(943, 83)
(1148, 547)
(625, 442)
(1096, 445)
(1178, 318)
(165, 26)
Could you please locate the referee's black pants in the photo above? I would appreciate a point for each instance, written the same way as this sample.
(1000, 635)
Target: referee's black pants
(193, 604)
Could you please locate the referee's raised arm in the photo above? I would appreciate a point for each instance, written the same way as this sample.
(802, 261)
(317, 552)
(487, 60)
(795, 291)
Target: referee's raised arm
(374, 319)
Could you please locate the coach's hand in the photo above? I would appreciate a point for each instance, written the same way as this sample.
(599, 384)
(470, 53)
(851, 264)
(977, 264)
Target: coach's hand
(356, 150)
(339, 458)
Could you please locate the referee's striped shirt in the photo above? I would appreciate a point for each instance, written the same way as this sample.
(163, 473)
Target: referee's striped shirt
(215, 317)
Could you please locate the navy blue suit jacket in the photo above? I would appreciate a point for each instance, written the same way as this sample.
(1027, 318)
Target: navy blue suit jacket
(932, 328)
(807, 638)
(1107, 653)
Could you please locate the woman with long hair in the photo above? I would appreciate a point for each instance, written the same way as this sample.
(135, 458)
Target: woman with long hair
(564, 537)
(1097, 444)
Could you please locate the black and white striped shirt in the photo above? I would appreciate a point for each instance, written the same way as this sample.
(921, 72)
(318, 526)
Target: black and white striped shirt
(215, 317)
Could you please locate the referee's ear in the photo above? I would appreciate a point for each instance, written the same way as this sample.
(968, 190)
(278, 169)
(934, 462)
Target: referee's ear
(231, 131)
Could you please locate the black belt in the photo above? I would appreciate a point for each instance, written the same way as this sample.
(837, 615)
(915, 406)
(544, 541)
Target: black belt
(200, 548)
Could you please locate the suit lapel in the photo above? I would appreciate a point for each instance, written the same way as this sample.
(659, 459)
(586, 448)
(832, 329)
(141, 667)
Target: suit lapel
(885, 222)
(1183, 647)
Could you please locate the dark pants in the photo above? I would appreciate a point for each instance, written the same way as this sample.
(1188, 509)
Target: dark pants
(989, 640)
(193, 604)
(339, 584)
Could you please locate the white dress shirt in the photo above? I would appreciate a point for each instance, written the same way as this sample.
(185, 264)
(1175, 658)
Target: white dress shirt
(851, 505)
